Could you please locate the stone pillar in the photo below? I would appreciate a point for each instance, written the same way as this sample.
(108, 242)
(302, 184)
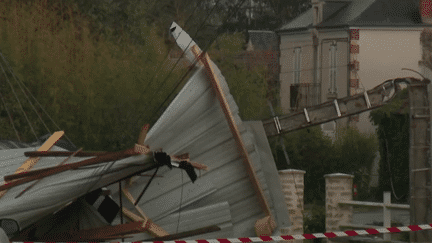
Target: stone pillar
(292, 182)
(338, 188)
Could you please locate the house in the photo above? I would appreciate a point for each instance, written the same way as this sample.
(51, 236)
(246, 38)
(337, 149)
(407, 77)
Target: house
(341, 48)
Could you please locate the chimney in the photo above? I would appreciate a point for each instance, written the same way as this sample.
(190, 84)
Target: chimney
(426, 11)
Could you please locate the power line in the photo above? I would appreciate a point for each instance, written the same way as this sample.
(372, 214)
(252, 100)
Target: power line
(40, 106)
(10, 117)
(19, 102)
(196, 60)
(178, 60)
(31, 104)
(165, 58)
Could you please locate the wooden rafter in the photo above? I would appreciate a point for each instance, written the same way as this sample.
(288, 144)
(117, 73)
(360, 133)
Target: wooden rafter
(30, 162)
(63, 154)
(189, 233)
(41, 173)
(265, 223)
(35, 182)
(106, 232)
(154, 229)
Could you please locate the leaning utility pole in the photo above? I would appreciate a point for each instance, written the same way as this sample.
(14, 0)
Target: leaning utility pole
(420, 134)
(420, 167)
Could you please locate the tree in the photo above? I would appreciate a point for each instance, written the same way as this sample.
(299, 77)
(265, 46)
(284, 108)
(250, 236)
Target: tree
(102, 87)
(311, 151)
(248, 87)
(88, 86)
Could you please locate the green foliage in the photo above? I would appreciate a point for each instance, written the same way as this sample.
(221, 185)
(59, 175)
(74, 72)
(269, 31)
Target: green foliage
(357, 153)
(99, 81)
(92, 87)
(248, 87)
(315, 222)
(311, 151)
(393, 133)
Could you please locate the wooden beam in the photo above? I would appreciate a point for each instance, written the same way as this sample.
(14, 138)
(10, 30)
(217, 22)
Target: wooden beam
(104, 157)
(49, 143)
(143, 134)
(106, 232)
(153, 228)
(34, 183)
(30, 162)
(185, 234)
(205, 60)
(63, 154)
(130, 198)
(41, 173)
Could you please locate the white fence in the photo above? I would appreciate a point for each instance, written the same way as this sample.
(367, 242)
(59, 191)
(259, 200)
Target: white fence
(387, 206)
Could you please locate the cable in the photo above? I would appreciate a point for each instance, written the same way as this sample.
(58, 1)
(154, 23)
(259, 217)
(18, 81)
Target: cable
(7, 64)
(178, 60)
(196, 61)
(121, 204)
(414, 71)
(19, 102)
(145, 188)
(388, 164)
(181, 199)
(10, 117)
(166, 56)
(30, 102)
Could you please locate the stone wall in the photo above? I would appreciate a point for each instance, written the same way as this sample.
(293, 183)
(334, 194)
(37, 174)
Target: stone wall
(293, 189)
(338, 188)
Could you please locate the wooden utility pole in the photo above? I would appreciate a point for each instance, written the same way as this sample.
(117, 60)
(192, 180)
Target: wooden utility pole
(420, 168)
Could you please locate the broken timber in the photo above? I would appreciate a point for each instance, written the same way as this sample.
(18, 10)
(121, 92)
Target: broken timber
(266, 225)
(30, 162)
(41, 173)
(154, 229)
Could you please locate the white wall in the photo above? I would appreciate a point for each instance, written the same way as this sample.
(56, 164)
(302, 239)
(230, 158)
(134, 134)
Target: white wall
(383, 53)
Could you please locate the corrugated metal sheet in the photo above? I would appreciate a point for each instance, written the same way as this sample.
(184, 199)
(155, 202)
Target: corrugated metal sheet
(194, 123)
(54, 192)
(214, 214)
(13, 144)
(9, 144)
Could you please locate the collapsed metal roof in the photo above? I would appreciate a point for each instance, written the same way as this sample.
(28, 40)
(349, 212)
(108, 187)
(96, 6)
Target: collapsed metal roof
(194, 123)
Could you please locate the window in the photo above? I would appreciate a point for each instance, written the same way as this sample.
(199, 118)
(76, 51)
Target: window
(333, 65)
(297, 64)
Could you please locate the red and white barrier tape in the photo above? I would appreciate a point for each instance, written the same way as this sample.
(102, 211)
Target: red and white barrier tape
(311, 236)
(305, 236)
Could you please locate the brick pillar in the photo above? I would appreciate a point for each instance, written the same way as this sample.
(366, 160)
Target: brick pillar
(293, 188)
(338, 188)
